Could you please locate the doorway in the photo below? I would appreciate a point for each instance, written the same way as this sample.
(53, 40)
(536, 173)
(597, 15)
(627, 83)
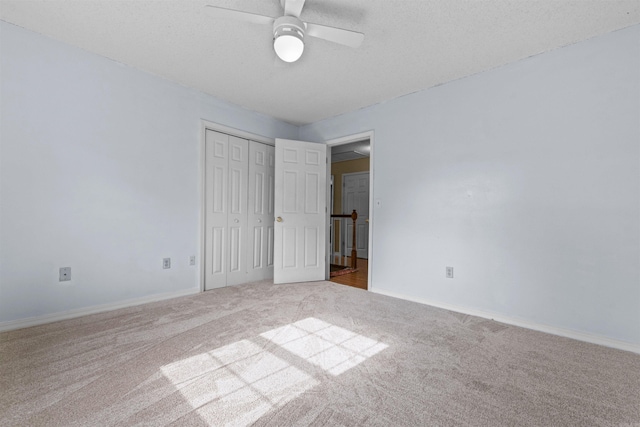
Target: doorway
(351, 190)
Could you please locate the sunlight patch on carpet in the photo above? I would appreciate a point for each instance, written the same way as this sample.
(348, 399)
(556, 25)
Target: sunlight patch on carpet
(330, 347)
(239, 382)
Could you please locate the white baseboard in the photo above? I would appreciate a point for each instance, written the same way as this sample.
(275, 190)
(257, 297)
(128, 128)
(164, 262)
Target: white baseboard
(567, 333)
(70, 314)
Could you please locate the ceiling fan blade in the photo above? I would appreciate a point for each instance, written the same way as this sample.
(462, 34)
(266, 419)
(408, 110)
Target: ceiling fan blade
(336, 35)
(292, 7)
(221, 12)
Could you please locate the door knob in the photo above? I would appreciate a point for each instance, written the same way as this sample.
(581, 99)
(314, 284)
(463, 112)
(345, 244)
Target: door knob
(259, 221)
(279, 219)
(236, 220)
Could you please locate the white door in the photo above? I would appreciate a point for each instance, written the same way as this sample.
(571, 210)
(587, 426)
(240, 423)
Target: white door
(300, 211)
(355, 196)
(237, 218)
(226, 209)
(260, 235)
(216, 199)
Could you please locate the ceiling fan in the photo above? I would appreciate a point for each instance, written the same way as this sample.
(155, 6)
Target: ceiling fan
(289, 30)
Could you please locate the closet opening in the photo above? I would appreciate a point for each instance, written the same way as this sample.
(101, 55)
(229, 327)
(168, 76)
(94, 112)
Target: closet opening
(238, 208)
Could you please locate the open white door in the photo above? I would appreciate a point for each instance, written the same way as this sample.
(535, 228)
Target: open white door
(300, 211)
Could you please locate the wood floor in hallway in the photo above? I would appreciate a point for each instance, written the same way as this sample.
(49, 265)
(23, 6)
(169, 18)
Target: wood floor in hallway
(357, 279)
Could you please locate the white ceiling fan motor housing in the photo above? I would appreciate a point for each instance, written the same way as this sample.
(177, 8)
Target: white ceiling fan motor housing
(288, 38)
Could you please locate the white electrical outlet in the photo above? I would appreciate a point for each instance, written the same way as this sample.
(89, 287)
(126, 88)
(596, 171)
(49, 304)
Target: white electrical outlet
(449, 272)
(65, 274)
(166, 263)
(192, 260)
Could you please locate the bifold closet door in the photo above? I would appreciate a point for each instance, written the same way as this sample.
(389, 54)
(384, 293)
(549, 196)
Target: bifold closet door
(226, 173)
(237, 218)
(260, 209)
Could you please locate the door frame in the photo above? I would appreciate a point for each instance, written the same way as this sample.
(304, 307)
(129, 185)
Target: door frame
(204, 126)
(346, 140)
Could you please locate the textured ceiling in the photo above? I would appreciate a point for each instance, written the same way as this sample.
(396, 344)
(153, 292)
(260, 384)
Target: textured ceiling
(408, 46)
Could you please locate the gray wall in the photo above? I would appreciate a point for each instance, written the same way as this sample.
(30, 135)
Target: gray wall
(99, 171)
(525, 179)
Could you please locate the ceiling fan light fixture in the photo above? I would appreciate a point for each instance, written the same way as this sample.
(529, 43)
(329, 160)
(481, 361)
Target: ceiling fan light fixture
(288, 38)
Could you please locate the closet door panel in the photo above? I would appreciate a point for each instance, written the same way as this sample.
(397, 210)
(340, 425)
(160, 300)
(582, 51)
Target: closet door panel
(216, 209)
(239, 207)
(260, 218)
(237, 217)
(271, 178)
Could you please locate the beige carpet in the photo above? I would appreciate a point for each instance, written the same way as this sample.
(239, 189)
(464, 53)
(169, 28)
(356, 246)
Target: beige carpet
(307, 354)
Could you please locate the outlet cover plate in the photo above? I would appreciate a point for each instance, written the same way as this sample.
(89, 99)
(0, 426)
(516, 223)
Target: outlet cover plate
(65, 274)
(166, 263)
(449, 272)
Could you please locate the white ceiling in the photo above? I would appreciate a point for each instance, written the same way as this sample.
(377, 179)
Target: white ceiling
(350, 151)
(409, 45)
